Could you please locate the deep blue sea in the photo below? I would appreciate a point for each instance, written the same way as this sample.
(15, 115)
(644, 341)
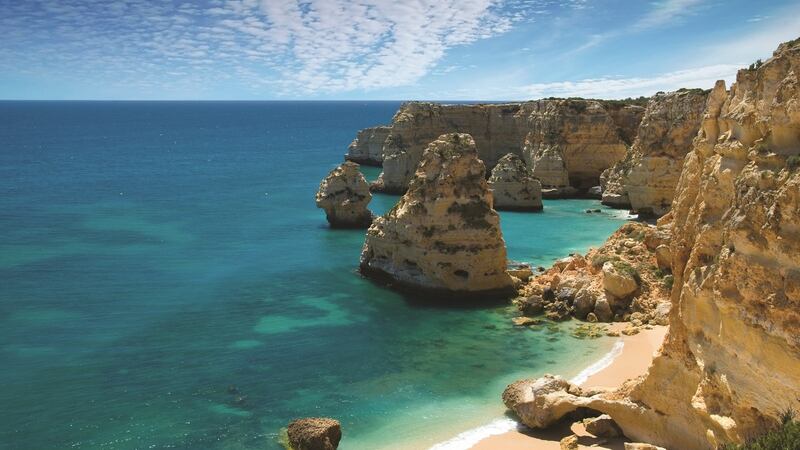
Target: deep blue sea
(166, 281)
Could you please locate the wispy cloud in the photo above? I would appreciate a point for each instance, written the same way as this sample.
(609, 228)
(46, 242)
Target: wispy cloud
(666, 12)
(700, 77)
(290, 47)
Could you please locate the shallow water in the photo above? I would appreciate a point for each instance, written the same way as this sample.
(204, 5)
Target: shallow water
(166, 281)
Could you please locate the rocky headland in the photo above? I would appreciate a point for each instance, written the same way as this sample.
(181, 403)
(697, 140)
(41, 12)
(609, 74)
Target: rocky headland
(567, 143)
(627, 279)
(443, 235)
(730, 365)
(344, 195)
(514, 187)
(645, 179)
(367, 148)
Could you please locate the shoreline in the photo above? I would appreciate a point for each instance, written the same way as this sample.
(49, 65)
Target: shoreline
(629, 358)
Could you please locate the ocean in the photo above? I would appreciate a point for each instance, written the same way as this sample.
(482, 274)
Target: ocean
(166, 281)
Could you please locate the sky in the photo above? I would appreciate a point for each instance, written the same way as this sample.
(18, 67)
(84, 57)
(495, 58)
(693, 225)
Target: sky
(380, 49)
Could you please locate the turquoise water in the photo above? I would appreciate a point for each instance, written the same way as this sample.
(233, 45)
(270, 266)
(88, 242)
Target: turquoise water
(167, 282)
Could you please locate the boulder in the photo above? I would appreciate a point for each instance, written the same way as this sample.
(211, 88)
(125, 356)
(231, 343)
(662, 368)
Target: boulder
(641, 446)
(557, 311)
(602, 310)
(664, 257)
(602, 426)
(344, 195)
(314, 433)
(531, 306)
(619, 280)
(443, 234)
(539, 403)
(513, 186)
(569, 443)
(584, 303)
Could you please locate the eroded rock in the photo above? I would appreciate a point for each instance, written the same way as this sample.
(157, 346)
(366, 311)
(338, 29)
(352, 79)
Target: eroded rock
(344, 195)
(513, 186)
(314, 433)
(443, 233)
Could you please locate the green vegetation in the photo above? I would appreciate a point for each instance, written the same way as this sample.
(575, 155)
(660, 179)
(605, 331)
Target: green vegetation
(793, 162)
(474, 213)
(756, 65)
(623, 267)
(668, 281)
(785, 437)
(598, 260)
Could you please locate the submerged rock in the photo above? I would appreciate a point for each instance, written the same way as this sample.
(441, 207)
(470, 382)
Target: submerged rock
(314, 433)
(344, 195)
(443, 234)
(513, 186)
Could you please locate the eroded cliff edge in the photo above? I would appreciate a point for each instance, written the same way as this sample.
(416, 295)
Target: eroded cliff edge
(731, 362)
(566, 142)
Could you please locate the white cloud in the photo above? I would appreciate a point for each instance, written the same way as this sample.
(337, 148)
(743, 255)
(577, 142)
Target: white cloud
(666, 11)
(618, 87)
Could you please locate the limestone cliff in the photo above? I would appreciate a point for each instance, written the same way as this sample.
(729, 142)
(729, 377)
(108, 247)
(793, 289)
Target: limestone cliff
(513, 186)
(344, 195)
(443, 234)
(367, 148)
(645, 179)
(731, 362)
(566, 142)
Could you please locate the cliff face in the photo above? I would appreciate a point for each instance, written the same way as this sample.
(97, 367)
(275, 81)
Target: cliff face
(571, 142)
(513, 186)
(735, 339)
(565, 142)
(731, 362)
(367, 148)
(645, 178)
(443, 234)
(344, 195)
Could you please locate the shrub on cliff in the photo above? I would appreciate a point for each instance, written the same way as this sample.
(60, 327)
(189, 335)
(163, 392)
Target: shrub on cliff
(785, 437)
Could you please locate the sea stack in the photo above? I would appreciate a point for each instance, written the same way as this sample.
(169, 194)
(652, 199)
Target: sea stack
(443, 235)
(514, 187)
(314, 433)
(344, 195)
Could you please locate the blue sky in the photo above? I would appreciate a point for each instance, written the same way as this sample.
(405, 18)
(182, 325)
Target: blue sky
(379, 49)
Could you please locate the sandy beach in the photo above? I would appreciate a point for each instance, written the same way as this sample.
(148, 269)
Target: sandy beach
(634, 359)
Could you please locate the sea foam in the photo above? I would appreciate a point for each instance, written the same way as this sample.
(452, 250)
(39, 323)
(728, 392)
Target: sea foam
(471, 437)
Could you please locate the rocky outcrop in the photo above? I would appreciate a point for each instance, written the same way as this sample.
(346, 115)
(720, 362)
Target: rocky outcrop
(620, 281)
(513, 186)
(566, 142)
(344, 195)
(443, 234)
(645, 179)
(314, 433)
(367, 148)
(731, 361)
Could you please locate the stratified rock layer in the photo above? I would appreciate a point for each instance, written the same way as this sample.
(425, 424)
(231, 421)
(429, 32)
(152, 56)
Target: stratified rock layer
(344, 195)
(567, 143)
(513, 186)
(367, 148)
(645, 179)
(443, 234)
(731, 361)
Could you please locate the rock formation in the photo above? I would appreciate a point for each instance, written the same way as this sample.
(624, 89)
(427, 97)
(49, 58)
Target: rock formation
(513, 186)
(645, 179)
(731, 361)
(344, 195)
(367, 148)
(314, 434)
(620, 281)
(443, 234)
(567, 143)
